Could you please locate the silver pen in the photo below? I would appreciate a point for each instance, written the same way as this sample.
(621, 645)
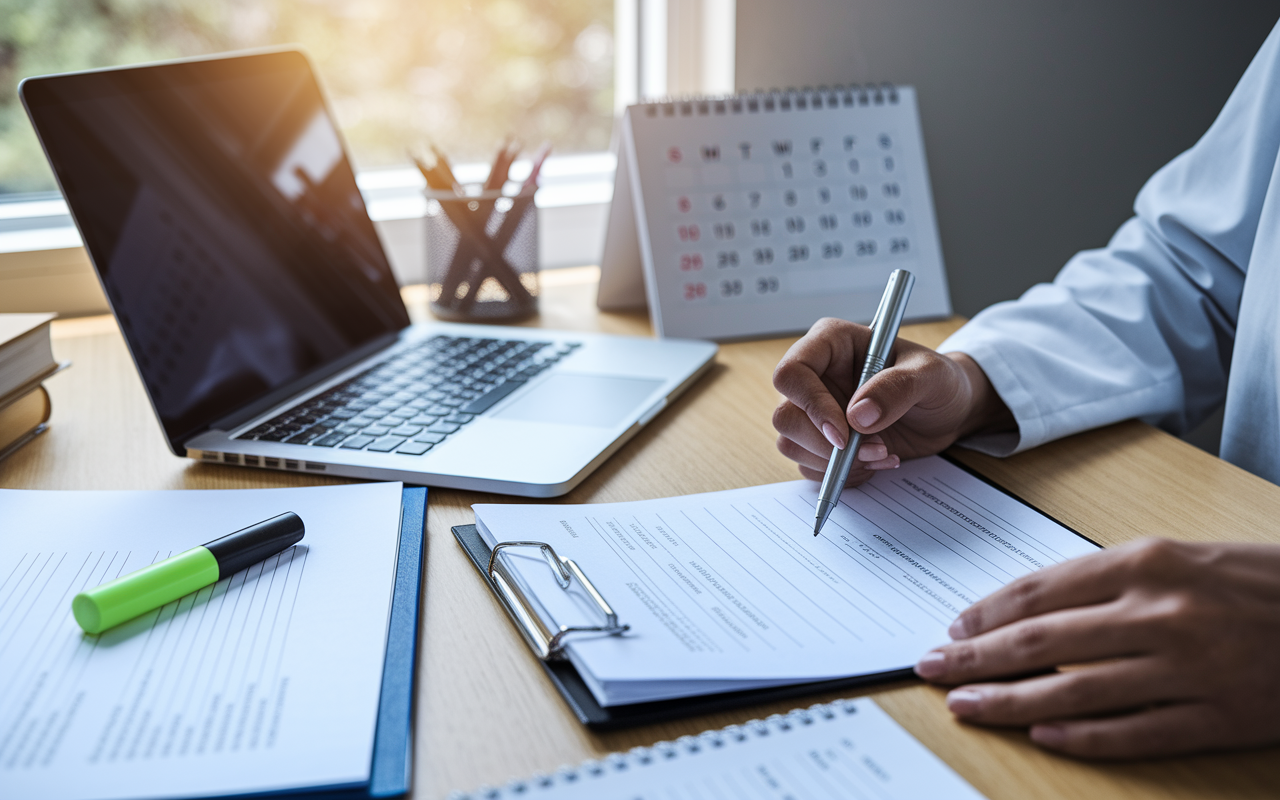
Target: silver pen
(884, 330)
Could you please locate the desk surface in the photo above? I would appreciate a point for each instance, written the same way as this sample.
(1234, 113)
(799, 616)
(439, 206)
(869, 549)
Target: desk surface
(487, 714)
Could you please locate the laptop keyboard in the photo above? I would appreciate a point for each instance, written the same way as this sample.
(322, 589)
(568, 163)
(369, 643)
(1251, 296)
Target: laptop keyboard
(417, 398)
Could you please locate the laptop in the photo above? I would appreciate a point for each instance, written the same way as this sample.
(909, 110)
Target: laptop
(221, 214)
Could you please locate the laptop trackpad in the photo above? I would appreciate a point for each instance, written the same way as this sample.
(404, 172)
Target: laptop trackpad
(595, 400)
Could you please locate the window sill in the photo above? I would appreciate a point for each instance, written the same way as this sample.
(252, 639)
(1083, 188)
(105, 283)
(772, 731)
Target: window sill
(43, 265)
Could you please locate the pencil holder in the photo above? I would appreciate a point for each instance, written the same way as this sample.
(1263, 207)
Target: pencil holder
(482, 256)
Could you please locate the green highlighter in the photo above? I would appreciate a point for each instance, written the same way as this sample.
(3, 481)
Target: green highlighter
(151, 587)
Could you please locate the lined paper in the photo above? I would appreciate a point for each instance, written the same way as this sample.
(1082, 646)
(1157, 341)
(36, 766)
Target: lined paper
(268, 679)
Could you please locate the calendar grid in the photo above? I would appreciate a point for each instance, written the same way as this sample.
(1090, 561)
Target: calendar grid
(760, 213)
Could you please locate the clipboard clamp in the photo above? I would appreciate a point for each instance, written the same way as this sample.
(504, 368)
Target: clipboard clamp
(548, 643)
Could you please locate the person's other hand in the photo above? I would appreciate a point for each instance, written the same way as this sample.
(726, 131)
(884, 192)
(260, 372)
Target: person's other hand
(1180, 645)
(918, 406)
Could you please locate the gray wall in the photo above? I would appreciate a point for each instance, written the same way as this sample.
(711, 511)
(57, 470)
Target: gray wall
(1042, 118)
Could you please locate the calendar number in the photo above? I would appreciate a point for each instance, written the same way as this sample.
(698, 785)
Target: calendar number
(895, 216)
(820, 169)
(726, 258)
(865, 247)
(888, 163)
(695, 291)
(861, 219)
(892, 189)
(854, 166)
(689, 233)
(824, 195)
(731, 288)
(690, 262)
(858, 192)
(718, 202)
(798, 252)
(767, 285)
(684, 205)
(885, 141)
(899, 245)
(789, 197)
(795, 224)
(674, 155)
(723, 230)
(786, 169)
(762, 255)
(753, 198)
(760, 227)
(832, 250)
(827, 222)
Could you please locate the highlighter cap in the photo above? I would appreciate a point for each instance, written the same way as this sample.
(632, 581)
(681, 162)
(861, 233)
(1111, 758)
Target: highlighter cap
(248, 546)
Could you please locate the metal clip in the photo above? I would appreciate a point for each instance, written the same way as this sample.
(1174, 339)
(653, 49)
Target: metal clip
(547, 643)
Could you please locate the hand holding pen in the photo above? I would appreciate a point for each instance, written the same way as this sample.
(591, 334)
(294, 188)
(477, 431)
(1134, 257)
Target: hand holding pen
(918, 405)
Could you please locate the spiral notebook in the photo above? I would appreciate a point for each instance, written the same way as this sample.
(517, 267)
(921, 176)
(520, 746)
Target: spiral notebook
(757, 214)
(837, 751)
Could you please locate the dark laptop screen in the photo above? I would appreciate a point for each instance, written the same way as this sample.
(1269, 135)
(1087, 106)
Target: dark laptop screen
(223, 218)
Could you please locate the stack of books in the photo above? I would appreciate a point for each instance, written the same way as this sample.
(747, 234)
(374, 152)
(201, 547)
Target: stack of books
(26, 360)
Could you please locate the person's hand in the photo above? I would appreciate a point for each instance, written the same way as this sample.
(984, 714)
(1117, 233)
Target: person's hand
(918, 406)
(1180, 645)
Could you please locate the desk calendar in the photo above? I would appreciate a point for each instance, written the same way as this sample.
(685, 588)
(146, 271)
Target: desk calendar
(755, 215)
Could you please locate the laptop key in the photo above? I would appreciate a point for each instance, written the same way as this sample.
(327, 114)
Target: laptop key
(377, 430)
(407, 430)
(444, 427)
(330, 440)
(459, 418)
(430, 438)
(357, 442)
(488, 399)
(386, 444)
(423, 420)
(414, 448)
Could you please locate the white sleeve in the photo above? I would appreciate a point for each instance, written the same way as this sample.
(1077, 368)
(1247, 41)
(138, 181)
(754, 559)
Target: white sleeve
(1145, 326)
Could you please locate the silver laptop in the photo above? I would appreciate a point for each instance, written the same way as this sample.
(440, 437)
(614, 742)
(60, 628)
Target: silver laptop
(223, 219)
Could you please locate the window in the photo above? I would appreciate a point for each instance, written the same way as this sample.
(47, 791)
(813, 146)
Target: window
(461, 73)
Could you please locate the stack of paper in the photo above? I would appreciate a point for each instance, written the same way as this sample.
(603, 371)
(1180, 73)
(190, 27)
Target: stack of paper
(731, 590)
(267, 680)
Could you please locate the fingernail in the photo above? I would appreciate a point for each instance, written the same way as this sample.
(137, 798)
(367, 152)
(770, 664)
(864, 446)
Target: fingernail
(1049, 735)
(865, 413)
(833, 435)
(932, 665)
(959, 629)
(964, 702)
(872, 452)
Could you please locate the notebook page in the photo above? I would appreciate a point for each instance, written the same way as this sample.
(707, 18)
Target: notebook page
(730, 590)
(267, 680)
(849, 750)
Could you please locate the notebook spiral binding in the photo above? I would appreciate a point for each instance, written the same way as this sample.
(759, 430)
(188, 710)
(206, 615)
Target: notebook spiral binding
(758, 101)
(684, 747)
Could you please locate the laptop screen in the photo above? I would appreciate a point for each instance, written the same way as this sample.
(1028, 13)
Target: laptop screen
(223, 218)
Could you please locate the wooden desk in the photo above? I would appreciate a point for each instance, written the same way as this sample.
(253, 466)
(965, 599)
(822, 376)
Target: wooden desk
(485, 712)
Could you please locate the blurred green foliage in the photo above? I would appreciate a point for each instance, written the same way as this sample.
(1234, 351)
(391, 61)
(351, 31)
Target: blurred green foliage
(461, 73)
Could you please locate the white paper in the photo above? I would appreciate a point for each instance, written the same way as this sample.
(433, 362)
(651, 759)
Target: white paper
(730, 590)
(849, 750)
(267, 680)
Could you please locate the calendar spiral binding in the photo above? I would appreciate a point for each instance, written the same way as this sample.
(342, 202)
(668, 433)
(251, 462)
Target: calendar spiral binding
(639, 757)
(761, 101)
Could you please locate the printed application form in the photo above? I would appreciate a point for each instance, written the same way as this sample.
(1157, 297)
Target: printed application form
(731, 590)
(268, 679)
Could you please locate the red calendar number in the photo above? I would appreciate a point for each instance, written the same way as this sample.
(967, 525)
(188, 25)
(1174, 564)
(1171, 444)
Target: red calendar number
(690, 261)
(695, 291)
(684, 205)
(689, 233)
(674, 155)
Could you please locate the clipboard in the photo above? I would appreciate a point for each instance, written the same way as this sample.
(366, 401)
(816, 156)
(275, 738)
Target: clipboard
(543, 641)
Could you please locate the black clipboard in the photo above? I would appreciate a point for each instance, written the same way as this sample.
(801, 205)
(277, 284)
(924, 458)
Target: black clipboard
(583, 704)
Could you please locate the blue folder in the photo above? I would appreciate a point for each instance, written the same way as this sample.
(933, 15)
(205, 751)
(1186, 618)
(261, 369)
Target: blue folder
(392, 768)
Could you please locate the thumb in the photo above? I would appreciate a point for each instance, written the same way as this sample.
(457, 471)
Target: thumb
(916, 378)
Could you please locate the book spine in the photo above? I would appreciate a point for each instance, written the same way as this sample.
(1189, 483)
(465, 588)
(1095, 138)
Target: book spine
(639, 758)
(23, 418)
